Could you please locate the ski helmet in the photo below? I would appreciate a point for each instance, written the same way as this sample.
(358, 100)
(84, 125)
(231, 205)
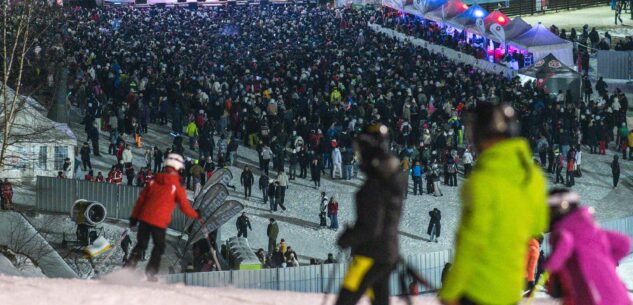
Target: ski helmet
(488, 121)
(561, 201)
(175, 161)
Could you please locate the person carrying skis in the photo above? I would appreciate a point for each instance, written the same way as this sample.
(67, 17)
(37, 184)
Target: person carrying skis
(505, 185)
(584, 257)
(374, 237)
(242, 224)
(152, 213)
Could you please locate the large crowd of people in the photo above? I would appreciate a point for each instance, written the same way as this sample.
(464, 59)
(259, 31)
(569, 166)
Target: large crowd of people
(296, 84)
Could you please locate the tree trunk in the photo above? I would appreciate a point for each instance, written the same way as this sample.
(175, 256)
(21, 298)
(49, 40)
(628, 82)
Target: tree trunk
(59, 111)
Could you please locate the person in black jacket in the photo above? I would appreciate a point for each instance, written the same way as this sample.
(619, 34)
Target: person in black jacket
(435, 226)
(85, 157)
(315, 171)
(242, 224)
(303, 162)
(158, 160)
(247, 179)
(374, 237)
(615, 170)
(263, 186)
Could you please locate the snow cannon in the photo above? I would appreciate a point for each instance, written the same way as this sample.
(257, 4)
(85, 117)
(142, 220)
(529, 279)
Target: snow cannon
(89, 213)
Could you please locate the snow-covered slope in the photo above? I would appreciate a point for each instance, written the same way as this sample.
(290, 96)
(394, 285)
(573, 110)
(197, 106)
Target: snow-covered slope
(23, 291)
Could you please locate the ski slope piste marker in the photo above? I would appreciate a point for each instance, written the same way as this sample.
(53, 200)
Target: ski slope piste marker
(209, 202)
(222, 175)
(220, 216)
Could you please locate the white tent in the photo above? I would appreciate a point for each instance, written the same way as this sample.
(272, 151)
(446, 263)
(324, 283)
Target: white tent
(541, 42)
(37, 145)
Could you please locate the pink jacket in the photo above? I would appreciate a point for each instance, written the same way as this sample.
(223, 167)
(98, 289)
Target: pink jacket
(585, 257)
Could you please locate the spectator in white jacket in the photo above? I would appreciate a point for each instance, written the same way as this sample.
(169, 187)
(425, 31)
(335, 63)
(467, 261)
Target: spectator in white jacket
(578, 161)
(467, 160)
(127, 155)
(337, 163)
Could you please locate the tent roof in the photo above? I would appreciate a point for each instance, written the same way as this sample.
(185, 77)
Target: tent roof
(538, 36)
(451, 9)
(496, 17)
(430, 5)
(470, 15)
(516, 27)
(395, 4)
(549, 66)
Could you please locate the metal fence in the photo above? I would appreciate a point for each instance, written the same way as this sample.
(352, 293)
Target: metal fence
(615, 64)
(530, 7)
(58, 195)
(313, 278)
(316, 278)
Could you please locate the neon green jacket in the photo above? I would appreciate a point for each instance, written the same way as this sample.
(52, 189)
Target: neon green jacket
(192, 129)
(504, 206)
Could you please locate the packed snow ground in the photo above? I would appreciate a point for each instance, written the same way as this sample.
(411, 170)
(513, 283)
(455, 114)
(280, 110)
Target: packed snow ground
(601, 17)
(119, 290)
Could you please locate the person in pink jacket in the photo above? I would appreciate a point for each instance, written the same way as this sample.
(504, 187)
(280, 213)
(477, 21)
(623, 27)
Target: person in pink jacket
(584, 257)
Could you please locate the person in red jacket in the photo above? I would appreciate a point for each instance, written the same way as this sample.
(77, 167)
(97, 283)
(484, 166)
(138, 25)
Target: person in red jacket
(117, 176)
(89, 176)
(153, 212)
(332, 211)
(7, 195)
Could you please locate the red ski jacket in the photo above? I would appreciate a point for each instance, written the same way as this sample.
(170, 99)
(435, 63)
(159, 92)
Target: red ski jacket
(158, 200)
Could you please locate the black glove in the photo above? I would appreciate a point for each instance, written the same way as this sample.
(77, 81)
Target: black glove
(133, 222)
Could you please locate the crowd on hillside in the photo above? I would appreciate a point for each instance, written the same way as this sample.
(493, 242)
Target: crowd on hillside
(296, 84)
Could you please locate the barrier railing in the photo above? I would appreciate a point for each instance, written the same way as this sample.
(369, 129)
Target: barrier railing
(615, 64)
(312, 278)
(58, 195)
(315, 278)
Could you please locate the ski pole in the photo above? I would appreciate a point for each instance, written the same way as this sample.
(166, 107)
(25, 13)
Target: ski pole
(339, 256)
(213, 252)
(541, 282)
(416, 276)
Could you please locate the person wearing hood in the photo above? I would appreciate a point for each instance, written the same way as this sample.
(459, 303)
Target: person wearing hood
(153, 210)
(505, 185)
(374, 237)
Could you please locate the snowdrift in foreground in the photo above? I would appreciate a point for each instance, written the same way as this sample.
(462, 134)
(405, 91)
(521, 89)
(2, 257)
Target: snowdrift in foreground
(118, 290)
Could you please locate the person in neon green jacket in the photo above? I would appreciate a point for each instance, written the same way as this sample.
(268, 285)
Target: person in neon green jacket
(504, 205)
